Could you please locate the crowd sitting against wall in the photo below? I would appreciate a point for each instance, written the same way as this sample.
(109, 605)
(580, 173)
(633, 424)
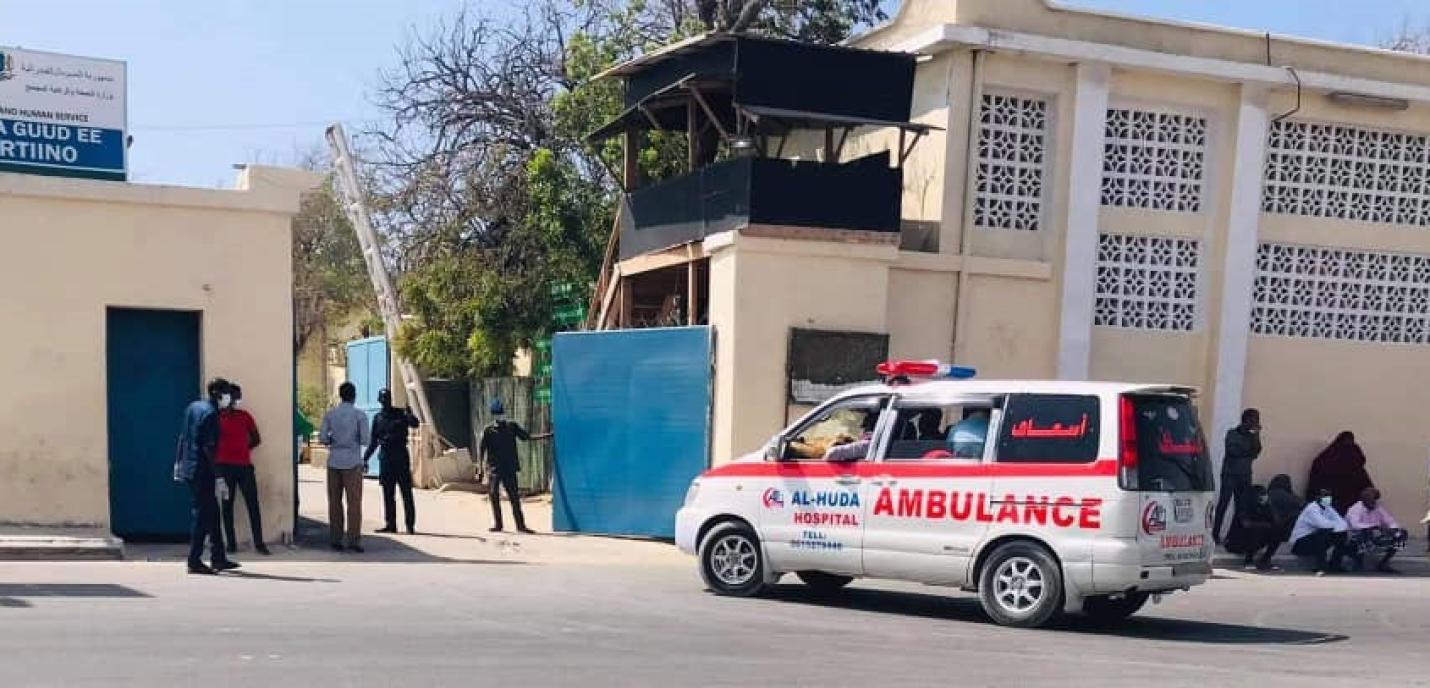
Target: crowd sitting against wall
(1341, 526)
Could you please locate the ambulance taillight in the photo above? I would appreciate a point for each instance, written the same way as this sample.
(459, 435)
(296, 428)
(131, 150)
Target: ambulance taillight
(1127, 448)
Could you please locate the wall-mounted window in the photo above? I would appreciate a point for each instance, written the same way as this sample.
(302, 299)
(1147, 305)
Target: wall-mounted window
(1329, 293)
(1012, 162)
(1347, 173)
(1154, 160)
(1146, 283)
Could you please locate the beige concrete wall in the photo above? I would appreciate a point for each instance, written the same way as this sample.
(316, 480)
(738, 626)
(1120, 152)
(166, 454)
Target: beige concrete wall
(1008, 327)
(921, 312)
(760, 289)
(91, 245)
(1196, 40)
(1310, 390)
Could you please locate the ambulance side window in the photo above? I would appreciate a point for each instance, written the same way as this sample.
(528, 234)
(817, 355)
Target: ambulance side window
(933, 432)
(1050, 428)
(842, 432)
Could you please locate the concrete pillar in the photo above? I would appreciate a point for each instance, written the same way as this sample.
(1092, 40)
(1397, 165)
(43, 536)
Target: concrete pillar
(1084, 206)
(1239, 272)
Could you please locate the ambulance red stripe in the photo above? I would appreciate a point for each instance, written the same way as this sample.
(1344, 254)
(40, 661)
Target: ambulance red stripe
(913, 469)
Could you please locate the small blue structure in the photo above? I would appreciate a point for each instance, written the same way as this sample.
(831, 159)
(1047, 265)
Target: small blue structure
(368, 369)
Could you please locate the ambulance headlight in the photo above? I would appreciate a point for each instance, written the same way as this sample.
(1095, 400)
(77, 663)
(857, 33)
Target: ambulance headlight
(691, 493)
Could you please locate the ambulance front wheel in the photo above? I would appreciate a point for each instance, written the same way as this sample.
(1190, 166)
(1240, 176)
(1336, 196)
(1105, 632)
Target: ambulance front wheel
(731, 560)
(824, 583)
(1104, 610)
(1021, 585)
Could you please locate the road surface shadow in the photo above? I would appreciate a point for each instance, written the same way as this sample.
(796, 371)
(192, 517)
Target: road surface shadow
(311, 545)
(965, 608)
(22, 590)
(251, 575)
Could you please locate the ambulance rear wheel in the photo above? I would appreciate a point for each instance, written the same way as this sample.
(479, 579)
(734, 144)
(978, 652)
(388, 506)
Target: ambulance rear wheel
(731, 560)
(1104, 610)
(1021, 585)
(824, 583)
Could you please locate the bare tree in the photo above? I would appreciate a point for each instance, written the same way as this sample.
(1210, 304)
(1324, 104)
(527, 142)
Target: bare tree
(1409, 38)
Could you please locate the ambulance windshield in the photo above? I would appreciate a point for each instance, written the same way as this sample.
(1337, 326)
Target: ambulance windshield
(1171, 452)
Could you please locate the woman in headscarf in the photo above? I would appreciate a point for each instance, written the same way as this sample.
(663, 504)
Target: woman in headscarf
(1341, 470)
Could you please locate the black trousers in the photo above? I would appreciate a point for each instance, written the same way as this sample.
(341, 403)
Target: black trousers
(1262, 539)
(1318, 544)
(396, 472)
(505, 481)
(205, 521)
(241, 479)
(1232, 486)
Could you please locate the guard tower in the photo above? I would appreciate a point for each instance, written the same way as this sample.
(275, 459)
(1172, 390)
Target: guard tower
(784, 140)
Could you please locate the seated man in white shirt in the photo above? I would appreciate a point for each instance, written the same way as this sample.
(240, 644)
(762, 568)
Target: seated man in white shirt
(1372, 529)
(1320, 530)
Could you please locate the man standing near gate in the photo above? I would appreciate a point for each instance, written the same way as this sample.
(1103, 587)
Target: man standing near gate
(498, 453)
(194, 466)
(389, 431)
(345, 432)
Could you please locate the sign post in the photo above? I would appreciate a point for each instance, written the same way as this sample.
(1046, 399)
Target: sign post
(62, 115)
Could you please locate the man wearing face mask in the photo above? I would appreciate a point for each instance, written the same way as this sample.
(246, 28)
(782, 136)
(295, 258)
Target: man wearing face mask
(389, 431)
(194, 466)
(1320, 530)
(237, 438)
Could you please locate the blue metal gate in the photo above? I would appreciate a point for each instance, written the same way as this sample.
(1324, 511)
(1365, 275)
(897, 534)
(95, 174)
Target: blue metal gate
(631, 411)
(368, 369)
(153, 374)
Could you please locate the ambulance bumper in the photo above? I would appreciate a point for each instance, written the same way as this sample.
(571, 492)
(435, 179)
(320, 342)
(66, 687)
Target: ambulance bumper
(687, 525)
(1118, 567)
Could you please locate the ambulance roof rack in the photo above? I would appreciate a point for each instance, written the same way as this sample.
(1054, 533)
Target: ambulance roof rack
(899, 372)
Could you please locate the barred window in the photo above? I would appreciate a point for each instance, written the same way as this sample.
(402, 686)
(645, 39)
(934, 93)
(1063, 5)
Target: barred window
(1012, 156)
(1146, 283)
(1347, 173)
(1328, 293)
(1153, 160)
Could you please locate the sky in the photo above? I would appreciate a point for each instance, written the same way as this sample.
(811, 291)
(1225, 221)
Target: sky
(213, 83)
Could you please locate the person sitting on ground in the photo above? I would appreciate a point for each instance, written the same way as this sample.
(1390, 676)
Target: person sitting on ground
(1254, 529)
(1340, 468)
(1374, 529)
(1320, 530)
(1285, 504)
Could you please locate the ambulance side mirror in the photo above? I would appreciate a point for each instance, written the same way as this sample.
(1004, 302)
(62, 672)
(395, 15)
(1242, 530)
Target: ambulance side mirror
(775, 449)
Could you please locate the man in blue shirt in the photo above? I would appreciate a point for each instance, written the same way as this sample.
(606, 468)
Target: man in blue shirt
(345, 431)
(194, 466)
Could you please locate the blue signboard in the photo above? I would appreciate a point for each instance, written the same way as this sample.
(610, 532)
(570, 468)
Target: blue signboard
(62, 115)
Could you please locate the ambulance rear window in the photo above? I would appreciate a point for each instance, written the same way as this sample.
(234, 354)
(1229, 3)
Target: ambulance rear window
(1171, 451)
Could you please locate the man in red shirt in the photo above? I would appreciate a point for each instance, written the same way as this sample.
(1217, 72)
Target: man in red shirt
(237, 437)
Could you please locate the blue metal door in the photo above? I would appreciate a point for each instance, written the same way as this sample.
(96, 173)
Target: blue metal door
(153, 374)
(631, 411)
(368, 369)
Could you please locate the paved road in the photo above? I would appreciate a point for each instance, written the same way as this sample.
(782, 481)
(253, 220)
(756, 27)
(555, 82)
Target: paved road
(317, 623)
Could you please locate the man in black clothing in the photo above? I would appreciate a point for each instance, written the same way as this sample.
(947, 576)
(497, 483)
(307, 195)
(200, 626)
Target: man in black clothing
(498, 453)
(389, 431)
(1243, 445)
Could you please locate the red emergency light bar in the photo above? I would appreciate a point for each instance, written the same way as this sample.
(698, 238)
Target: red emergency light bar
(913, 369)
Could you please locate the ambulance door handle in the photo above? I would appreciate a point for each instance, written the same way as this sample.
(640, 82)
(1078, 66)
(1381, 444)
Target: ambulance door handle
(847, 480)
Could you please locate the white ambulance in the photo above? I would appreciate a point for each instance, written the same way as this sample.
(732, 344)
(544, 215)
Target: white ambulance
(1043, 497)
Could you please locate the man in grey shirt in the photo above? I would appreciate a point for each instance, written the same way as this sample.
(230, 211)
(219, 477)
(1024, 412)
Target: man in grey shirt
(345, 431)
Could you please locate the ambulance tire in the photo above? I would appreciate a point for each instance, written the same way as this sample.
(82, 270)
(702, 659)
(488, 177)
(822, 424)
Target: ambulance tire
(1021, 585)
(1105, 611)
(732, 562)
(824, 583)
